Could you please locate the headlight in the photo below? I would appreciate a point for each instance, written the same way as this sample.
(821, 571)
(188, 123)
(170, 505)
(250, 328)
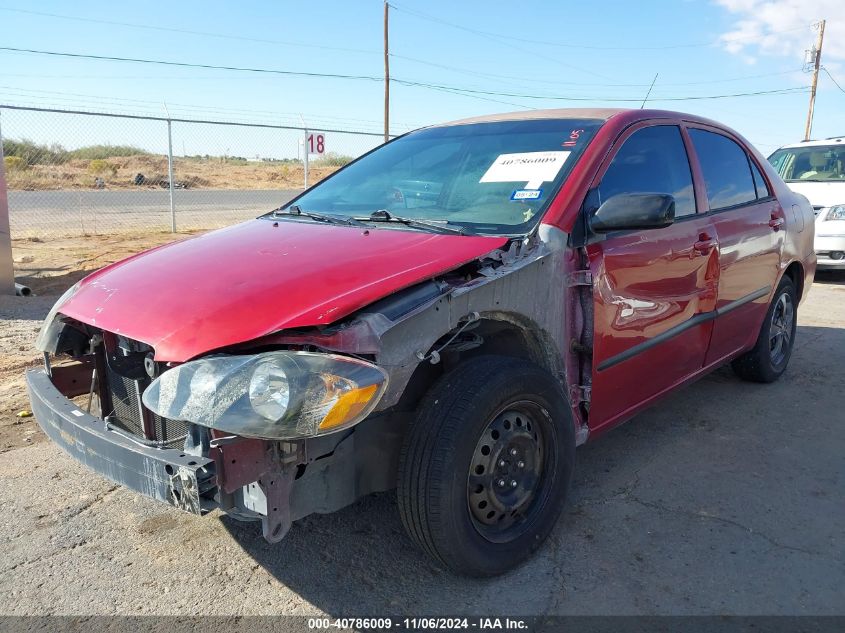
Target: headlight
(269, 390)
(837, 212)
(274, 395)
(48, 336)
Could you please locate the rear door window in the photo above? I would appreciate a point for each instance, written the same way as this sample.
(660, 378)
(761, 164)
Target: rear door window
(726, 169)
(652, 160)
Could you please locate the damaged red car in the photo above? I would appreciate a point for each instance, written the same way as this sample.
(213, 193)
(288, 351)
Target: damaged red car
(450, 315)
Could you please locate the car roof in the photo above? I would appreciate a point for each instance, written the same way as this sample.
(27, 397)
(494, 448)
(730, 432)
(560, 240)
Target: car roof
(833, 140)
(602, 114)
(528, 115)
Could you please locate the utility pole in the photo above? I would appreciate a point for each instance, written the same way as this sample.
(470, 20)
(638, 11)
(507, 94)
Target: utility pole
(386, 78)
(817, 63)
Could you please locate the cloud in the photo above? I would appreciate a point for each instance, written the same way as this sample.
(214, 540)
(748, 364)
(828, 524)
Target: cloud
(782, 28)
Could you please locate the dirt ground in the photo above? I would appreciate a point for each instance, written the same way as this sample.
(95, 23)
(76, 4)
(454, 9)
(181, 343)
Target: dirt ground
(726, 498)
(120, 172)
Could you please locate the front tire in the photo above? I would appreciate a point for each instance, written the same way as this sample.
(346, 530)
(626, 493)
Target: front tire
(487, 464)
(768, 359)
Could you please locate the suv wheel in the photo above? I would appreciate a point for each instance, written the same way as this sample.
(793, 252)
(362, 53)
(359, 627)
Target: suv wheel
(770, 355)
(486, 466)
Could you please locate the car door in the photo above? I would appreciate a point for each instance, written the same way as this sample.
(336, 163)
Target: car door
(749, 225)
(652, 289)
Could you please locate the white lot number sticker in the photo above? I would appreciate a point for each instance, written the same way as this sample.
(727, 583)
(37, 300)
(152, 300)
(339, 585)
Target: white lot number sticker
(532, 168)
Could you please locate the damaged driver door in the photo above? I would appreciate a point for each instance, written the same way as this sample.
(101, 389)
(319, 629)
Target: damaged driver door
(654, 287)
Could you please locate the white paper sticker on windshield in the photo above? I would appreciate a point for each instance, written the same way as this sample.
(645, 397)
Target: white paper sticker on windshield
(532, 168)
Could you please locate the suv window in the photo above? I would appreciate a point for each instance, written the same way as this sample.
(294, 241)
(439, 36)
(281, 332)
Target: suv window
(726, 169)
(652, 160)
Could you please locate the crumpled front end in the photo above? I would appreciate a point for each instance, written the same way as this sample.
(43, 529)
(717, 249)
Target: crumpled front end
(197, 446)
(166, 474)
(89, 400)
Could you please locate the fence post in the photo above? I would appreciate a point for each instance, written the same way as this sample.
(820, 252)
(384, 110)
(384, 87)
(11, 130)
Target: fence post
(7, 268)
(305, 158)
(170, 174)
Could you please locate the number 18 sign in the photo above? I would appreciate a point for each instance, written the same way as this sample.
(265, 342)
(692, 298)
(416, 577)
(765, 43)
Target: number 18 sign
(316, 143)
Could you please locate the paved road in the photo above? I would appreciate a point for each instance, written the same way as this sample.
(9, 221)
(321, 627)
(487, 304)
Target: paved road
(728, 497)
(70, 212)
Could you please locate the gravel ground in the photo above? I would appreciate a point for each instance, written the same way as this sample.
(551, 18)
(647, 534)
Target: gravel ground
(725, 498)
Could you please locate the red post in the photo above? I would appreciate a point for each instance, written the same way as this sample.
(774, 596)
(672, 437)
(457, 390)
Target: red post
(7, 270)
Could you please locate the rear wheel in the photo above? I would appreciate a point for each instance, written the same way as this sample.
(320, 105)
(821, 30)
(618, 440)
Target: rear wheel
(770, 355)
(486, 465)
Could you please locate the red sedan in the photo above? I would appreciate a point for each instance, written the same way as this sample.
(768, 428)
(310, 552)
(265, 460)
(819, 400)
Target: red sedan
(450, 315)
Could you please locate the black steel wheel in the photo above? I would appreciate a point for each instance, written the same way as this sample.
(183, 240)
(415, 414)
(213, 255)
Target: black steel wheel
(506, 475)
(486, 466)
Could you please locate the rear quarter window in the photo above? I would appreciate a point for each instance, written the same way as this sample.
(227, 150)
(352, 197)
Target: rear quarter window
(759, 182)
(726, 169)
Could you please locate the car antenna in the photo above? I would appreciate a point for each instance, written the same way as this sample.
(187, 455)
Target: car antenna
(653, 81)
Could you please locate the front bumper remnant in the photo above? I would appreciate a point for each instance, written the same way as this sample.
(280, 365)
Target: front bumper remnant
(169, 475)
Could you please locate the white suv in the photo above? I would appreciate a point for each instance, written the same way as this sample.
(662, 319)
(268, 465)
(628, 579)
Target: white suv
(816, 169)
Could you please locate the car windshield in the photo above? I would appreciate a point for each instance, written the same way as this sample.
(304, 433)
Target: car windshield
(492, 178)
(810, 164)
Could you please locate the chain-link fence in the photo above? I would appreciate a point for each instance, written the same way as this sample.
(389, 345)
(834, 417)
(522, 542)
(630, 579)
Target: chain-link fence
(80, 173)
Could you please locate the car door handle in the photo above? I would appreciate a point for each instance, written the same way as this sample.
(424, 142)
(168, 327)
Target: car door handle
(776, 223)
(704, 244)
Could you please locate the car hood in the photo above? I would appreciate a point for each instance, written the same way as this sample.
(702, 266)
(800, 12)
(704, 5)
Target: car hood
(255, 278)
(820, 194)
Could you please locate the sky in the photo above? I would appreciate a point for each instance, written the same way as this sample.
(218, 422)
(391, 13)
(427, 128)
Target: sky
(475, 56)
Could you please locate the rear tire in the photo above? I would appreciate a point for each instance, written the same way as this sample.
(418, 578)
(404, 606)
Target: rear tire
(486, 465)
(768, 359)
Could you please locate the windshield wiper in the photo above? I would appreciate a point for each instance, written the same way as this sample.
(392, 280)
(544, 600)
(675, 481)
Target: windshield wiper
(295, 211)
(383, 215)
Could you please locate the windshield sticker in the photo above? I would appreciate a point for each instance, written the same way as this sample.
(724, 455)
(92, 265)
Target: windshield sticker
(573, 138)
(532, 168)
(527, 194)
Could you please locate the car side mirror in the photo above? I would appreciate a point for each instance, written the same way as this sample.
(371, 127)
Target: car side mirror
(632, 211)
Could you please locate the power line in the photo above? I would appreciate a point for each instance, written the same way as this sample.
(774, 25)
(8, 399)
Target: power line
(832, 79)
(407, 58)
(412, 59)
(168, 29)
(608, 99)
(404, 82)
(178, 120)
(475, 96)
(233, 37)
(731, 79)
(191, 65)
(432, 18)
(46, 94)
(315, 121)
(477, 73)
(507, 41)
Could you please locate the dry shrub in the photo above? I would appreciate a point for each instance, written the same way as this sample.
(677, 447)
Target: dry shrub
(98, 166)
(14, 163)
